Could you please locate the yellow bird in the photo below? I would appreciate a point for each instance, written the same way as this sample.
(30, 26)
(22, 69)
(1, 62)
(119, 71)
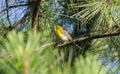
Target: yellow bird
(62, 33)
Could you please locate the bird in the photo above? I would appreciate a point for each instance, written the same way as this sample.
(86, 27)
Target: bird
(62, 33)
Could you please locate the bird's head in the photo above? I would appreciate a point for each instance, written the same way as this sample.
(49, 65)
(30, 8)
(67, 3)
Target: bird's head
(58, 28)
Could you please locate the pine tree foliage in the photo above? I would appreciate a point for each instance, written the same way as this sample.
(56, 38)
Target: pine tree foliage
(33, 55)
(102, 17)
(25, 53)
(21, 54)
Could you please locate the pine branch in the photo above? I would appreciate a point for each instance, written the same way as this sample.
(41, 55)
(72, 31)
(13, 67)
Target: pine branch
(88, 38)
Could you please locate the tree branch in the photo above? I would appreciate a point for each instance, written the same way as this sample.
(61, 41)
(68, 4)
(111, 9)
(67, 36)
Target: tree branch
(8, 12)
(88, 38)
(20, 21)
(12, 7)
(35, 15)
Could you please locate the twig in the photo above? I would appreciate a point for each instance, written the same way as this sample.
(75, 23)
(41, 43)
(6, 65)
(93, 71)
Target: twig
(45, 45)
(116, 22)
(12, 7)
(88, 38)
(8, 12)
(19, 21)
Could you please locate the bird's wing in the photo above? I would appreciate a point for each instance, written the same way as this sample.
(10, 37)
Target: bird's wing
(64, 32)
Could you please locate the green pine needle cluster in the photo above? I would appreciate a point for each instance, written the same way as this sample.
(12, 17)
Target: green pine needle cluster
(28, 54)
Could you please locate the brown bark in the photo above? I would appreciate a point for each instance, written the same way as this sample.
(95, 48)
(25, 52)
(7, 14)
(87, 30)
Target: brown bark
(35, 15)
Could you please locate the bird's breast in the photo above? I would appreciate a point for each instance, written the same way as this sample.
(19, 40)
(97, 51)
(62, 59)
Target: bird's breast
(62, 37)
